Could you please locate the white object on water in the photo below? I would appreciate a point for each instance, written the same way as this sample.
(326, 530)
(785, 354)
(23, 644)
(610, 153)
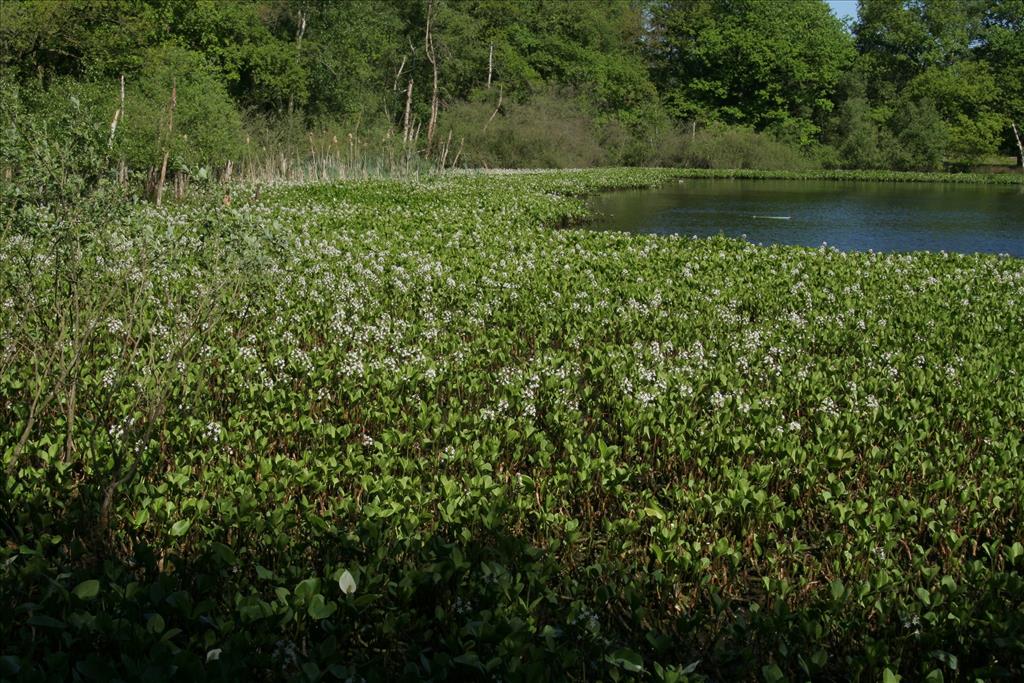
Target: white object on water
(774, 218)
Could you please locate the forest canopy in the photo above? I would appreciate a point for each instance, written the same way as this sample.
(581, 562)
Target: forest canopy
(909, 84)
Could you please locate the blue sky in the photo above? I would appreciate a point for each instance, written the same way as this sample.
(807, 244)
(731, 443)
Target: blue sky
(844, 8)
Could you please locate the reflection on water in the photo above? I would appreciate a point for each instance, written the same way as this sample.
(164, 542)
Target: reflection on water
(846, 215)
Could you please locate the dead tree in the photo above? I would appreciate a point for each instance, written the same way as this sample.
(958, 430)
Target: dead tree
(167, 145)
(428, 44)
(299, 32)
(1020, 147)
(406, 130)
(496, 109)
(118, 116)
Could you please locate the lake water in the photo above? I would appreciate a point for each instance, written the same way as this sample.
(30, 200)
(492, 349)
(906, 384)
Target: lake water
(846, 215)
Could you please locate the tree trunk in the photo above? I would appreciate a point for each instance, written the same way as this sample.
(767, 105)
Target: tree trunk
(1020, 147)
(428, 44)
(490, 66)
(299, 32)
(398, 75)
(501, 93)
(118, 115)
(167, 152)
(406, 131)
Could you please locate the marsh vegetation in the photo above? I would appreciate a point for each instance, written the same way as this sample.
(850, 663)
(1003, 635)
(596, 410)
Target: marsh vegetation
(391, 429)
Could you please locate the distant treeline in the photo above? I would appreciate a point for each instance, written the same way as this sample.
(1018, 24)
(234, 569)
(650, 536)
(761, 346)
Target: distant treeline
(175, 91)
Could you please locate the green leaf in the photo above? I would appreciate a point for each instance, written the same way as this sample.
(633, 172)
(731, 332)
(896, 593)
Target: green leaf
(654, 512)
(181, 527)
(155, 624)
(626, 659)
(319, 608)
(307, 588)
(87, 590)
(45, 621)
(223, 553)
(889, 677)
(311, 670)
(9, 665)
(1016, 550)
(471, 659)
(772, 673)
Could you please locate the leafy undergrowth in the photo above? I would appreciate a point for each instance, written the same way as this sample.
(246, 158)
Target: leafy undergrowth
(403, 431)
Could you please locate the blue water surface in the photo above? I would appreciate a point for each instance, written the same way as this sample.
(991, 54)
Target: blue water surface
(848, 215)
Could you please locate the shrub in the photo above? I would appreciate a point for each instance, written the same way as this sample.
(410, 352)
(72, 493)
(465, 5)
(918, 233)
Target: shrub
(207, 127)
(547, 131)
(858, 136)
(922, 137)
(53, 146)
(720, 146)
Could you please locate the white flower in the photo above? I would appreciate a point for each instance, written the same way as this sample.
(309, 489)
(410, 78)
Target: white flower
(346, 583)
(213, 655)
(213, 431)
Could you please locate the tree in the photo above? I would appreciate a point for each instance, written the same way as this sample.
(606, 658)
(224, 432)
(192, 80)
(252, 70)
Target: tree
(904, 38)
(533, 46)
(351, 52)
(751, 62)
(1001, 45)
(207, 128)
(857, 135)
(966, 98)
(964, 56)
(922, 138)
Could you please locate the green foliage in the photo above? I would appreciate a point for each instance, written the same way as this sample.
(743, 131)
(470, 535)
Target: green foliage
(207, 128)
(345, 66)
(548, 131)
(859, 139)
(750, 62)
(965, 96)
(633, 70)
(876, 176)
(963, 57)
(276, 76)
(923, 137)
(409, 431)
(904, 39)
(1001, 46)
(736, 147)
(53, 148)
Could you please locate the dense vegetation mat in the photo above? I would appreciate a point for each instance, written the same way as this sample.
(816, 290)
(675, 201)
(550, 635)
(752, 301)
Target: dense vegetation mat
(402, 431)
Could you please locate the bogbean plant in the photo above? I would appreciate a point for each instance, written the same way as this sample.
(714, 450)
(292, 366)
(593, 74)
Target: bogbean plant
(412, 430)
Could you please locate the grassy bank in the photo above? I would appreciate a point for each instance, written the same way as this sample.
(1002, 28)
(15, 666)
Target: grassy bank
(405, 430)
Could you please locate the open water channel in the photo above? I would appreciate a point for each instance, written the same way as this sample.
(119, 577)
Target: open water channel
(848, 215)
